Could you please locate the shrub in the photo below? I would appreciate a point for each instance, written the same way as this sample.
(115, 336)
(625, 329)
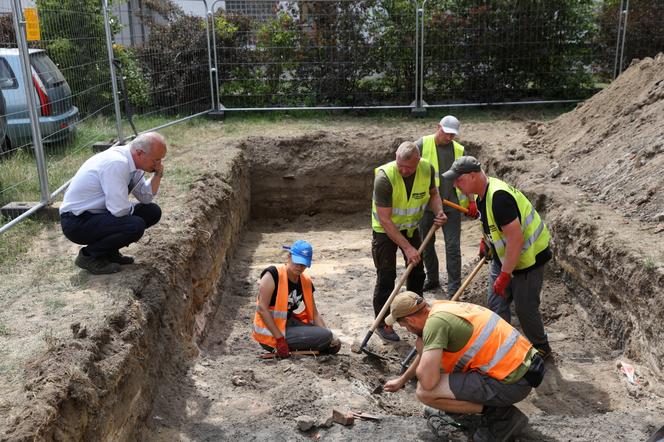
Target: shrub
(175, 59)
(644, 37)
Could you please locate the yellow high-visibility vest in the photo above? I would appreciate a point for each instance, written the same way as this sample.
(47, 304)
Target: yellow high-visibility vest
(430, 153)
(406, 212)
(535, 233)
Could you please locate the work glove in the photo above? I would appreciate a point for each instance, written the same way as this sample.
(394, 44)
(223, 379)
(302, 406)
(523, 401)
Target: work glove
(282, 348)
(501, 283)
(485, 251)
(472, 210)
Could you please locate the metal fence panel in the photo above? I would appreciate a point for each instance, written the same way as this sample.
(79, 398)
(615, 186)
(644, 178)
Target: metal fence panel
(321, 53)
(163, 61)
(72, 88)
(503, 51)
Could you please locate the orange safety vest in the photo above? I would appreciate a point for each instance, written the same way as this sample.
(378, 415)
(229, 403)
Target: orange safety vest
(280, 309)
(495, 348)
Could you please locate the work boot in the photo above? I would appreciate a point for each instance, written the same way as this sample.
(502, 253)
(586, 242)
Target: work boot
(437, 420)
(96, 265)
(500, 424)
(431, 284)
(544, 350)
(334, 347)
(387, 332)
(118, 258)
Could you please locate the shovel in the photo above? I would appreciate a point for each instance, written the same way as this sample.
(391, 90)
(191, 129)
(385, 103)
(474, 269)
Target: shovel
(397, 286)
(411, 354)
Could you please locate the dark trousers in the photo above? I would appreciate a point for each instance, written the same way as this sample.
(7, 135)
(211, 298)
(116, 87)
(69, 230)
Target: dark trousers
(384, 253)
(452, 235)
(525, 290)
(303, 336)
(104, 233)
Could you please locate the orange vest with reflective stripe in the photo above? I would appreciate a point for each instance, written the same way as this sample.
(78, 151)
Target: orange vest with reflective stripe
(280, 309)
(495, 348)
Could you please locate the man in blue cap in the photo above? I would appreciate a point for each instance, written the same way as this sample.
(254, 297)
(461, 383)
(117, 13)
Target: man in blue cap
(286, 315)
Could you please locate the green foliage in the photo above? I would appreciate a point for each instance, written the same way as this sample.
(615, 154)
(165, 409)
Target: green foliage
(175, 59)
(506, 50)
(644, 37)
(73, 33)
(16, 241)
(7, 35)
(135, 82)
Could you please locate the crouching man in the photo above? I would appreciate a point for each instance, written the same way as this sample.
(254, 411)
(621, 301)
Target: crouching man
(469, 361)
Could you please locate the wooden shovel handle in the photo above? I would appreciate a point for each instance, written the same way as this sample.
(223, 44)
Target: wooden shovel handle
(455, 206)
(469, 279)
(400, 281)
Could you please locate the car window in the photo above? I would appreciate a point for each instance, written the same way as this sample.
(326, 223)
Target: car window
(7, 78)
(47, 70)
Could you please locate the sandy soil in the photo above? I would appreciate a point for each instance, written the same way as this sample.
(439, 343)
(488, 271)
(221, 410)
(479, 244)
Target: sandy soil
(162, 350)
(230, 394)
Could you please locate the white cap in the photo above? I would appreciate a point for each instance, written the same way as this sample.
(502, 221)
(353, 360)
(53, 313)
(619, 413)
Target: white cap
(450, 125)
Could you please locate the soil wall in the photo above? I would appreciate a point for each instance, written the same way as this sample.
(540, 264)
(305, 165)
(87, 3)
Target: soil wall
(112, 376)
(602, 258)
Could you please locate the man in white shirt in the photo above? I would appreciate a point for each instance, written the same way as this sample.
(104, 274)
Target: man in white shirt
(96, 211)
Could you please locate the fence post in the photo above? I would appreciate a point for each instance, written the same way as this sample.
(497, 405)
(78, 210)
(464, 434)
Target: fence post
(216, 104)
(418, 109)
(620, 39)
(114, 80)
(208, 17)
(19, 29)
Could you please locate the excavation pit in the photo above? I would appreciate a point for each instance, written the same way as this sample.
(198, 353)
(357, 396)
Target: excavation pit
(176, 361)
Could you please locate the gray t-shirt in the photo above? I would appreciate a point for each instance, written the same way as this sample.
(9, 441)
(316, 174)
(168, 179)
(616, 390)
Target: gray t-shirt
(382, 191)
(445, 160)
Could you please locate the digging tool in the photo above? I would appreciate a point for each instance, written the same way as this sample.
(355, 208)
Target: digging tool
(292, 353)
(455, 206)
(658, 436)
(413, 351)
(397, 287)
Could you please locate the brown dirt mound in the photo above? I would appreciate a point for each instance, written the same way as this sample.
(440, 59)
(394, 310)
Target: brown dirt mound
(611, 145)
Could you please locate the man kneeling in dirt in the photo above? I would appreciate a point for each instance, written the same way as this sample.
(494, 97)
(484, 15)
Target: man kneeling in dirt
(286, 315)
(470, 361)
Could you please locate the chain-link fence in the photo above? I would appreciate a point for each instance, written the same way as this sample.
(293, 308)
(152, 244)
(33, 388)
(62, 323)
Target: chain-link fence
(314, 53)
(96, 73)
(163, 58)
(500, 51)
(424, 53)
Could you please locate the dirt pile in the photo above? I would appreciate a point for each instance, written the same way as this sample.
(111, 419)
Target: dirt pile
(611, 145)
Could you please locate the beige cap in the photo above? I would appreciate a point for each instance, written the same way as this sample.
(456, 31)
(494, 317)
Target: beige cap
(404, 304)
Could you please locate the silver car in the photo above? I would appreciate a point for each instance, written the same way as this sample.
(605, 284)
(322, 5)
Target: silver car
(57, 115)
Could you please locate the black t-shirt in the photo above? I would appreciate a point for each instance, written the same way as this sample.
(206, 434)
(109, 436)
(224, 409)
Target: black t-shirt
(295, 293)
(505, 210)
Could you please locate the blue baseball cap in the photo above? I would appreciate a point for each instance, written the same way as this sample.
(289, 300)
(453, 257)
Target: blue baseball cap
(301, 252)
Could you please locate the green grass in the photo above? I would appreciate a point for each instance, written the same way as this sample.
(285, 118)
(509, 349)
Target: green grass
(53, 305)
(17, 240)
(4, 330)
(649, 263)
(18, 172)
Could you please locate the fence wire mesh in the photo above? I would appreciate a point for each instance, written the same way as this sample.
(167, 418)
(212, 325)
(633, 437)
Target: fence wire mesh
(315, 53)
(71, 84)
(498, 51)
(163, 62)
(277, 54)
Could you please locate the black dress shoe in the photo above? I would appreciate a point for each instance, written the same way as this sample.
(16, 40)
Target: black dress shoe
(96, 265)
(119, 258)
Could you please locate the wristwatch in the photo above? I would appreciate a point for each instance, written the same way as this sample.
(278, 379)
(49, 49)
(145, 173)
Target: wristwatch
(159, 174)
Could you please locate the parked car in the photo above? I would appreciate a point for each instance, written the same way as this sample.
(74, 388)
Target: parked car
(57, 115)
